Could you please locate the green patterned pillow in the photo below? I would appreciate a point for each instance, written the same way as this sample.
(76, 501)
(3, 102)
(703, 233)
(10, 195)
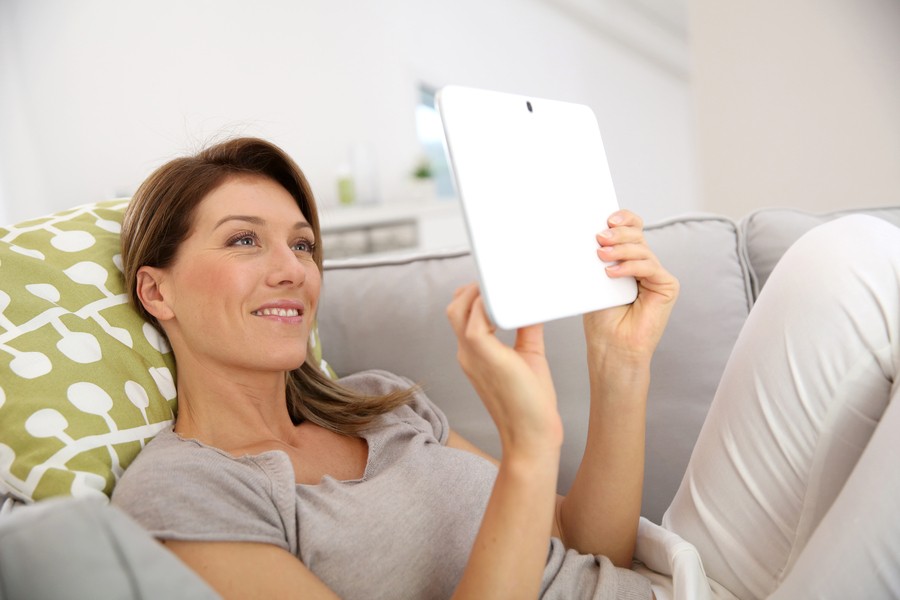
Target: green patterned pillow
(84, 380)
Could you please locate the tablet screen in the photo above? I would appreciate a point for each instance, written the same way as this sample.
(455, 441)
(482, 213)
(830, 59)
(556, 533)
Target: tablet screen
(535, 189)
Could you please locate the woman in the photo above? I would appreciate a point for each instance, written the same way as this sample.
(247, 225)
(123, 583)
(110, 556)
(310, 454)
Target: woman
(363, 481)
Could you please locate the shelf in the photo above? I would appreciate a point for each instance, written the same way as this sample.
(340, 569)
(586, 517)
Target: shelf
(380, 228)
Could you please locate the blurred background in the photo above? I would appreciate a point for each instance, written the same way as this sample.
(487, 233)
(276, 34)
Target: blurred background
(703, 105)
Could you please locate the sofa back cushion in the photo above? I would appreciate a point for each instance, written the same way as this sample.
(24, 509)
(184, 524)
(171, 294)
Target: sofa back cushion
(390, 314)
(768, 232)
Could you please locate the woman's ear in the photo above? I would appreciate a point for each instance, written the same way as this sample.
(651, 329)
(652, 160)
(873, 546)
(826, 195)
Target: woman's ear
(150, 293)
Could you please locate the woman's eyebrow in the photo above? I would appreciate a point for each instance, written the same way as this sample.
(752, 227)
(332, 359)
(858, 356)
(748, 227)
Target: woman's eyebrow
(253, 220)
(245, 218)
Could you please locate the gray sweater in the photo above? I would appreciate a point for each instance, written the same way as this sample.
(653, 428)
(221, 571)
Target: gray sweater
(404, 530)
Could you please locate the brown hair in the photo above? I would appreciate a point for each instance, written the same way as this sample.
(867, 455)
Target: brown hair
(159, 218)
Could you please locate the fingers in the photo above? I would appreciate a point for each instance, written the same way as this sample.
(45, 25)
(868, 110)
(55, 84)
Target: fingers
(624, 240)
(624, 227)
(460, 307)
(625, 218)
(638, 250)
(643, 270)
(467, 314)
(625, 246)
(530, 339)
(479, 322)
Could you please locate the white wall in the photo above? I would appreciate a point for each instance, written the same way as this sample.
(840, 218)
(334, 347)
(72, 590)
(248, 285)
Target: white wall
(94, 94)
(798, 103)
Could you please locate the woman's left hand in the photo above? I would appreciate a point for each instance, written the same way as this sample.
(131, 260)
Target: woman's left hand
(634, 330)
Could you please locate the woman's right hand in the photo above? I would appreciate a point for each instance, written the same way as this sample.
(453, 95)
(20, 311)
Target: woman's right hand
(513, 382)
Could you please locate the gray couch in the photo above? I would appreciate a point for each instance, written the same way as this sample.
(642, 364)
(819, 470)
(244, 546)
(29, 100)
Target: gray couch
(388, 313)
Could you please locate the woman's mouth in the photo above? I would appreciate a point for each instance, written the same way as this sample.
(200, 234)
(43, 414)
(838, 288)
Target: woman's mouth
(283, 311)
(277, 312)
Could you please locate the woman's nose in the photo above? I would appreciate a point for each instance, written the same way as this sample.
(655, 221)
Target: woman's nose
(285, 268)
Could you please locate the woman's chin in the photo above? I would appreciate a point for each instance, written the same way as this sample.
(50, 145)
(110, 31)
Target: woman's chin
(285, 363)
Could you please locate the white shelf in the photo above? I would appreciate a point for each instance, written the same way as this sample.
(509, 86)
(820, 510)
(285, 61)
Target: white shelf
(336, 218)
(386, 227)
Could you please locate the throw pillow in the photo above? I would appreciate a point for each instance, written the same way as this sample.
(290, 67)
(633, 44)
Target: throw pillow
(85, 382)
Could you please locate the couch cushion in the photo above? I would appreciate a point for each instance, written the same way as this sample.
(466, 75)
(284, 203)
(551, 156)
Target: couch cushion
(84, 380)
(768, 232)
(715, 299)
(390, 314)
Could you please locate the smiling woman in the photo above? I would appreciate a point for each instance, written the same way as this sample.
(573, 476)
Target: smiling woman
(237, 223)
(279, 482)
(227, 280)
(269, 461)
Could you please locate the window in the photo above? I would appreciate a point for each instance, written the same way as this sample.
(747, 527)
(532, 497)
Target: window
(431, 136)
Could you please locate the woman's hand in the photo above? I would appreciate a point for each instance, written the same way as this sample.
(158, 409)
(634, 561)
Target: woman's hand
(632, 331)
(510, 550)
(513, 382)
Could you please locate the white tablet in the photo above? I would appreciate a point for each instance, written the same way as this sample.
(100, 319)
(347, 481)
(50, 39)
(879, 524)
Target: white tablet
(535, 190)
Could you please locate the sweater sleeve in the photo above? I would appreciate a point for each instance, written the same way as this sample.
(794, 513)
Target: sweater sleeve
(181, 490)
(429, 413)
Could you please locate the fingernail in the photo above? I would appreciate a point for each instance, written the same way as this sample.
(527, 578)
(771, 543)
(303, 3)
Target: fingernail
(616, 219)
(605, 234)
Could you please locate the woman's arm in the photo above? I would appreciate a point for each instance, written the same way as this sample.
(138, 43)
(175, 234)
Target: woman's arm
(250, 570)
(600, 513)
(510, 550)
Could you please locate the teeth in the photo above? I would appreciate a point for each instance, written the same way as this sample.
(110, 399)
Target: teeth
(278, 312)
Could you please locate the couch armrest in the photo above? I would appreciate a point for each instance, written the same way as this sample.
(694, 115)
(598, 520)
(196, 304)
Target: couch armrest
(66, 548)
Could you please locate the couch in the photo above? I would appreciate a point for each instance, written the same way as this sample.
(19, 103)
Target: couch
(387, 312)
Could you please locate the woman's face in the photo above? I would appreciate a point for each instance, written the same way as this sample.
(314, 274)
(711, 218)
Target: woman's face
(244, 288)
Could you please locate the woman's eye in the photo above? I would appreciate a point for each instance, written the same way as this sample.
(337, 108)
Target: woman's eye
(243, 239)
(304, 246)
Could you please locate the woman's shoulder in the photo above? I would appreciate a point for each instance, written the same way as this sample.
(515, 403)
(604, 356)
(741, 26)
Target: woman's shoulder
(375, 382)
(170, 465)
(420, 412)
(180, 488)
(165, 447)
(169, 453)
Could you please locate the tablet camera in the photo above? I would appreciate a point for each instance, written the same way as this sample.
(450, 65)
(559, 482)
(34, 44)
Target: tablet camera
(528, 104)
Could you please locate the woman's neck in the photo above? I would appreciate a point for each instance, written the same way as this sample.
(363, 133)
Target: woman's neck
(230, 409)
